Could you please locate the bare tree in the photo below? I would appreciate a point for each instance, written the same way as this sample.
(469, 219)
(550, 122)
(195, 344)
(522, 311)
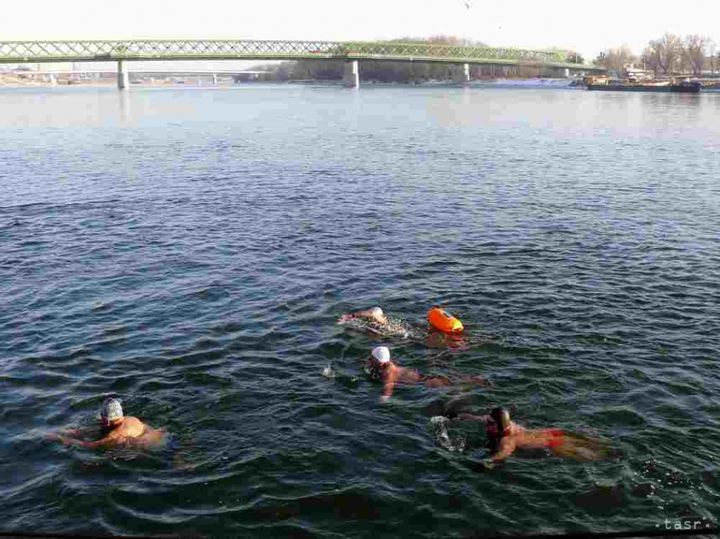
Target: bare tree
(574, 57)
(665, 53)
(650, 60)
(615, 59)
(695, 50)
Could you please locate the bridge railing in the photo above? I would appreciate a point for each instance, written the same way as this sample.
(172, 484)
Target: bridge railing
(49, 51)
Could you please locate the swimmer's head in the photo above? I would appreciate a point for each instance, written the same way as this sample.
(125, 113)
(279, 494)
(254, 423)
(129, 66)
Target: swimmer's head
(377, 312)
(501, 418)
(381, 354)
(111, 411)
(378, 315)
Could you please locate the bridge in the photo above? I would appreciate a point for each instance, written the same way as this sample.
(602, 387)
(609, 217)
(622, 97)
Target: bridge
(351, 53)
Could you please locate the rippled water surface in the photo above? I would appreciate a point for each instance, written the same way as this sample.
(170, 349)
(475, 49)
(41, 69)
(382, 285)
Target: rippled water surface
(189, 250)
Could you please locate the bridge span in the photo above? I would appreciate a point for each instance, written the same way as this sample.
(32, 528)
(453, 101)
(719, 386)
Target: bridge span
(352, 53)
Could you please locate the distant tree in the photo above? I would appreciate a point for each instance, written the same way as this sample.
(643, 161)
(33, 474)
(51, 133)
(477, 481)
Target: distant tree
(711, 59)
(614, 60)
(445, 40)
(714, 59)
(573, 57)
(649, 60)
(278, 72)
(441, 40)
(664, 54)
(695, 50)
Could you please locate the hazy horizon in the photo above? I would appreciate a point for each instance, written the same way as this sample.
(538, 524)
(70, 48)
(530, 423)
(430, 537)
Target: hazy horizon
(519, 23)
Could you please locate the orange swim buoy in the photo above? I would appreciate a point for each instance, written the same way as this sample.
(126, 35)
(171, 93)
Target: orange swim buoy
(442, 321)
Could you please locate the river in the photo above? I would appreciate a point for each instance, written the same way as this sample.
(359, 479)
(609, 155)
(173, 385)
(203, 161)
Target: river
(190, 249)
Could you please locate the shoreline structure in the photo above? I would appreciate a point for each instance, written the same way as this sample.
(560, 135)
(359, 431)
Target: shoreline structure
(38, 79)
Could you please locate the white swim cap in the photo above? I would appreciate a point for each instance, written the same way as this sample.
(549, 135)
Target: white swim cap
(381, 353)
(377, 311)
(112, 409)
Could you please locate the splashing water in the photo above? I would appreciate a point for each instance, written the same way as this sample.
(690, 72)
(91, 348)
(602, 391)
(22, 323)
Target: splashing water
(442, 436)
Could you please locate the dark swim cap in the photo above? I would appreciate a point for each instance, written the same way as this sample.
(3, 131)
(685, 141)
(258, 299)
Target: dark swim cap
(502, 419)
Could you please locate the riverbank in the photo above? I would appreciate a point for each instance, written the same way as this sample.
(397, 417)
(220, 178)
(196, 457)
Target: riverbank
(22, 81)
(11, 80)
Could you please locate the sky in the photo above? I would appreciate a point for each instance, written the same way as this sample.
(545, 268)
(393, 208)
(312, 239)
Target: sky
(588, 27)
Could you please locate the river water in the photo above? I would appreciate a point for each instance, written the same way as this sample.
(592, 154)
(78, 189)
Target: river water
(190, 249)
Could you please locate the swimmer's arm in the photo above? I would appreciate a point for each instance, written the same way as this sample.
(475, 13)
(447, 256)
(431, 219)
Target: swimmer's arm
(507, 448)
(68, 440)
(69, 432)
(471, 417)
(389, 385)
(92, 445)
(80, 432)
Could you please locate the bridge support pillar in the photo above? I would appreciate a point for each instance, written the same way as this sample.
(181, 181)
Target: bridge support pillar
(123, 79)
(351, 77)
(464, 76)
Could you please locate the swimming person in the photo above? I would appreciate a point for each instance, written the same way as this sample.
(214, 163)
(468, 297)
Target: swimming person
(117, 430)
(376, 321)
(505, 436)
(380, 367)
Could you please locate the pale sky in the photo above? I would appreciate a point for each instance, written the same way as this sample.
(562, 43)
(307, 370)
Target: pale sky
(585, 26)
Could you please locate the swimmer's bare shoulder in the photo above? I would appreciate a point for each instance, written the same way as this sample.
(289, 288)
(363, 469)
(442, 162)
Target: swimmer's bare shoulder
(133, 433)
(151, 438)
(131, 427)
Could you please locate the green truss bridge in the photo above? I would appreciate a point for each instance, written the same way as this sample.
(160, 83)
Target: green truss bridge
(350, 52)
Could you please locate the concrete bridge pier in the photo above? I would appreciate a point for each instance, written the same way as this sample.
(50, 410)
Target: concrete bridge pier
(123, 78)
(463, 77)
(351, 76)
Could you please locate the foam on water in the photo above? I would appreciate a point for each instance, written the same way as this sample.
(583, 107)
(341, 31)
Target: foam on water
(442, 436)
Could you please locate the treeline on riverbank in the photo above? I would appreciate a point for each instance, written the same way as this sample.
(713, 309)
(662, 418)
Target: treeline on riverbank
(397, 72)
(666, 56)
(406, 72)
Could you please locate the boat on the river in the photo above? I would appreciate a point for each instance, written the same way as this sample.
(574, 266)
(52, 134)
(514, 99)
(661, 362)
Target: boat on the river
(611, 85)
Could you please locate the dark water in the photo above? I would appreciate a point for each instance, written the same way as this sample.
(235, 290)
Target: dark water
(190, 250)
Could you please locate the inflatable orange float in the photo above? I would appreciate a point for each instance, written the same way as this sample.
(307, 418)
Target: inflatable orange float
(442, 321)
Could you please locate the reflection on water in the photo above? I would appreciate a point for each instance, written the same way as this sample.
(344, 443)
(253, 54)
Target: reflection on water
(125, 107)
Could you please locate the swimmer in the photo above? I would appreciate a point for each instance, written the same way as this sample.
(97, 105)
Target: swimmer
(117, 429)
(376, 321)
(379, 367)
(505, 436)
(374, 314)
